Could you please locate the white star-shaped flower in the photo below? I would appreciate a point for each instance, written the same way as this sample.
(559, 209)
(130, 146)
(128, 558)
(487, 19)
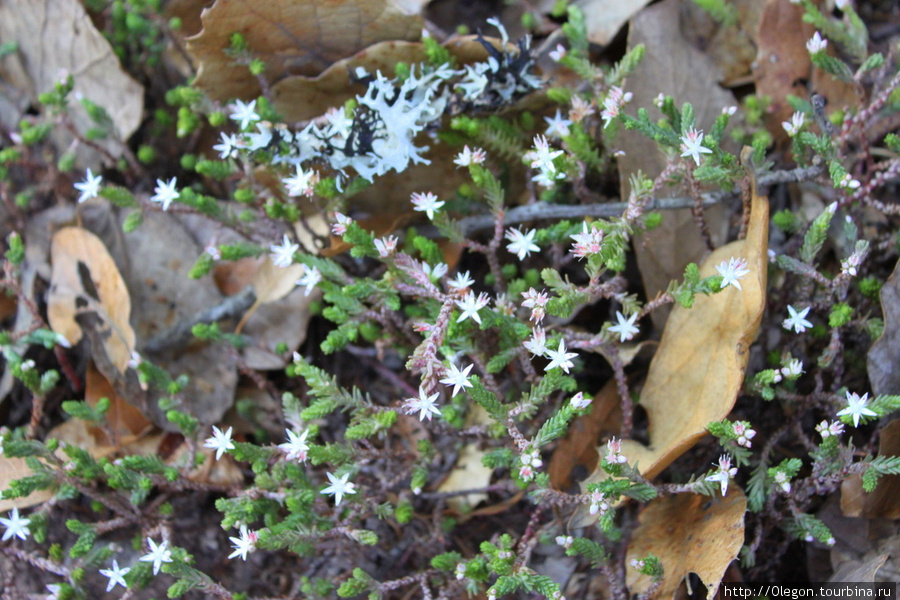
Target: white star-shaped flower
(557, 127)
(301, 184)
(797, 320)
(521, 244)
(542, 157)
(16, 526)
(424, 405)
(537, 343)
(816, 44)
(115, 575)
(311, 278)
(282, 255)
(228, 146)
(469, 157)
(732, 270)
(458, 379)
(856, 407)
(245, 113)
(244, 544)
(560, 358)
(339, 488)
(626, 327)
(90, 187)
(691, 145)
(165, 193)
(158, 555)
(724, 473)
(461, 282)
(220, 442)
(426, 203)
(296, 446)
(470, 305)
(793, 126)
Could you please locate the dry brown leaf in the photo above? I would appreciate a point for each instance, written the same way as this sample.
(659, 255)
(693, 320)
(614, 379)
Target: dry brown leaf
(884, 501)
(55, 37)
(15, 468)
(469, 473)
(224, 471)
(293, 38)
(699, 367)
(124, 418)
(604, 18)
(859, 571)
(85, 279)
(689, 533)
(670, 64)
(885, 352)
(579, 448)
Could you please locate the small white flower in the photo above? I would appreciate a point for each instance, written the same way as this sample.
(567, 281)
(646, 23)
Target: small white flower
(458, 379)
(311, 278)
(296, 446)
(469, 157)
(724, 473)
(244, 544)
(470, 305)
(744, 432)
(521, 244)
(16, 526)
(732, 271)
(537, 344)
(558, 53)
(302, 183)
(856, 407)
(579, 401)
(427, 203)
(729, 110)
(816, 44)
(793, 126)
(793, 369)
(386, 245)
(564, 540)
(826, 429)
(542, 157)
(782, 480)
(461, 282)
(587, 242)
(339, 488)
(165, 193)
(537, 302)
(245, 113)
(691, 145)
(220, 442)
(614, 452)
(599, 504)
(90, 187)
(282, 255)
(424, 405)
(626, 327)
(228, 147)
(797, 320)
(115, 575)
(158, 555)
(560, 358)
(557, 127)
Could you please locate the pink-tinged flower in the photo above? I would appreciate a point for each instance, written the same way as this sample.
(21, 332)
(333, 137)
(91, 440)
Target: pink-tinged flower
(536, 301)
(723, 473)
(386, 246)
(587, 242)
(427, 203)
(558, 53)
(244, 544)
(296, 446)
(599, 504)
(580, 109)
(580, 402)
(537, 344)
(469, 157)
(302, 183)
(613, 104)
(816, 44)
(691, 145)
(833, 429)
(339, 227)
(744, 433)
(614, 452)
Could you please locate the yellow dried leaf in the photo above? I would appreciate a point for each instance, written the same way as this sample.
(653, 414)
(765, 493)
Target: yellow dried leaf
(469, 473)
(697, 372)
(85, 279)
(689, 533)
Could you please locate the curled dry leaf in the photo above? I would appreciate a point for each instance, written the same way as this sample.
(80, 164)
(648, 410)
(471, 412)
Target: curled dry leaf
(85, 279)
(292, 38)
(885, 352)
(54, 37)
(884, 501)
(698, 370)
(689, 533)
